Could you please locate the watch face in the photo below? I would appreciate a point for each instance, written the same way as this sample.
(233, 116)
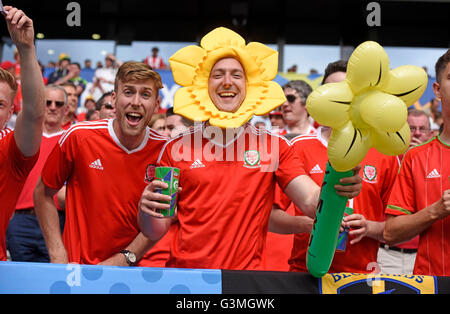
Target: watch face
(132, 257)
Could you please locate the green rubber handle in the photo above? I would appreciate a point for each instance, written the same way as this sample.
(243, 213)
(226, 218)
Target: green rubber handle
(329, 214)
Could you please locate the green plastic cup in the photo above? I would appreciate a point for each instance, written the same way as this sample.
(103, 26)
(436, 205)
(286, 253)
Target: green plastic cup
(169, 175)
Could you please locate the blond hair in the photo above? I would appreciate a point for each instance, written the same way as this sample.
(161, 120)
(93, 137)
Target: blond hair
(137, 71)
(9, 79)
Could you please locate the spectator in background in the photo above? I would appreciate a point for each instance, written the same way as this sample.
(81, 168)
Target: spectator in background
(293, 69)
(51, 65)
(260, 125)
(89, 105)
(92, 115)
(176, 124)
(277, 122)
(87, 72)
(434, 112)
(104, 77)
(72, 105)
(9, 66)
(24, 236)
(437, 124)
(419, 124)
(61, 70)
(158, 123)
(294, 110)
(14, 69)
(155, 61)
(105, 107)
(73, 76)
(19, 148)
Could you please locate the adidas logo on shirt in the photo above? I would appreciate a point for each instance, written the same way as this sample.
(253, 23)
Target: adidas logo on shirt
(433, 174)
(96, 165)
(316, 169)
(197, 164)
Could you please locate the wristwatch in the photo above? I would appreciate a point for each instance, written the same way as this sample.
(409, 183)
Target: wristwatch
(130, 257)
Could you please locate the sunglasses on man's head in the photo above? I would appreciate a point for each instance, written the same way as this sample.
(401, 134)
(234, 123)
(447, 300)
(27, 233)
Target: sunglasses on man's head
(58, 104)
(291, 98)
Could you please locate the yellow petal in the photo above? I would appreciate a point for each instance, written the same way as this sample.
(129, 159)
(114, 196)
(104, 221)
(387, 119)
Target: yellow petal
(239, 54)
(184, 64)
(266, 59)
(186, 106)
(267, 98)
(222, 37)
(329, 104)
(383, 111)
(407, 82)
(228, 121)
(347, 147)
(368, 66)
(392, 144)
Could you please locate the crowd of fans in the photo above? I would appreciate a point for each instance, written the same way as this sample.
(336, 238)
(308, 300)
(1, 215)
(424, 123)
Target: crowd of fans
(63, 88)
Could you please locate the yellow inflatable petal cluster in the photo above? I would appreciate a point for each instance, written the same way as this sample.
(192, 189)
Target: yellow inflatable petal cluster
(369, 108)
(191, 67)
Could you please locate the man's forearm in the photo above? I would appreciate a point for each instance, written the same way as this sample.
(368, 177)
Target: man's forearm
(405, 227)
(28, 131)
(48, 217)
(152, 227)
(376, 230)
(282, 223)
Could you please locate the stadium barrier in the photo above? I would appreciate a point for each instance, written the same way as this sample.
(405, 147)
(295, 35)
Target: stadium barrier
(41, 278)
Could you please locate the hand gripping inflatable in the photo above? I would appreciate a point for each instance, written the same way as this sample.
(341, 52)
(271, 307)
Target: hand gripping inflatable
(368, 109)
(191, 67)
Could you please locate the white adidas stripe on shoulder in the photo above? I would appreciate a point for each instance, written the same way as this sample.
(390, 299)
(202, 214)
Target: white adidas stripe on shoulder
(5, 132)
(156, 136)
(303, 137)
(83, 126)
(260, 132)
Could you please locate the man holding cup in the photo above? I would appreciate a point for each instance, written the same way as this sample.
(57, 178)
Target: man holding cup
(228, 169)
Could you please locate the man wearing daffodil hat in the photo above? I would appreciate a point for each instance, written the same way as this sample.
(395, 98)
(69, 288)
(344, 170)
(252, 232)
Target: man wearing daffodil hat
(228, 169)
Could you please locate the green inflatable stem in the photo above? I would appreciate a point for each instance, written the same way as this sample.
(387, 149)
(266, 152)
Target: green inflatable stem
(329, 214)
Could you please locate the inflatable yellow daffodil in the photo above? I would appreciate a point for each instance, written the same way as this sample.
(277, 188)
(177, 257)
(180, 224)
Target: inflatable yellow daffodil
(191, 67)
(369, 108)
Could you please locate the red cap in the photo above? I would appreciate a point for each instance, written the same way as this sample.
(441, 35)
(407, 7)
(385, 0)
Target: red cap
(275, 113)
(5, 65)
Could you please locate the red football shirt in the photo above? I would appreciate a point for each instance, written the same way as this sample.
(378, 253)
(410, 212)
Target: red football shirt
(378, 173)
(14, 169)
(227, 196)
(104, 184)
(47, 144)
(423, 178)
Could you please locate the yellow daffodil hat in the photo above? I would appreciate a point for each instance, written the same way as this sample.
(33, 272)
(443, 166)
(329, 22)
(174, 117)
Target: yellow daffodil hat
(191, 67)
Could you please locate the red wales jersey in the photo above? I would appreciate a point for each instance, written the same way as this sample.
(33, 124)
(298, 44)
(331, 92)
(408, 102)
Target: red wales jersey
(423, 178)
(104, 184)
(378, 173)
(14, 169)
(47, 144)
(227, 195)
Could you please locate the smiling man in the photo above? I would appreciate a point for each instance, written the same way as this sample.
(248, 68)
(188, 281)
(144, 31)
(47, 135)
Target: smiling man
(104, 163)
(227, 174)
(227, 85)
